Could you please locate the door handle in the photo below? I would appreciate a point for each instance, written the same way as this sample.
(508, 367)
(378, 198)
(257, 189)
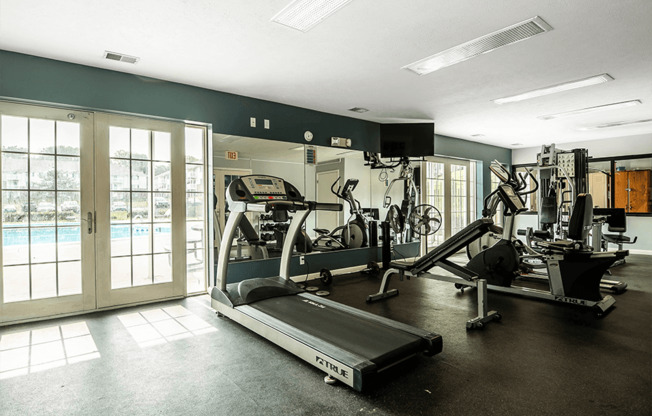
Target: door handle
(89, 221)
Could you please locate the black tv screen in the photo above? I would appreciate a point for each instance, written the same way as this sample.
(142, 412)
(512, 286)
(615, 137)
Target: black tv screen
(407, 140)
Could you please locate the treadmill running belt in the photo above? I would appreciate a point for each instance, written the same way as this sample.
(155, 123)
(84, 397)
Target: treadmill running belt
(373, 340)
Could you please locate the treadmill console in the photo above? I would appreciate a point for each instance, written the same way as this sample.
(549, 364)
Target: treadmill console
(512, 201)
(262, 188)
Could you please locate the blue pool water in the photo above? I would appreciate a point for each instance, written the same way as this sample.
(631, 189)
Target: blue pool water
(45, 235)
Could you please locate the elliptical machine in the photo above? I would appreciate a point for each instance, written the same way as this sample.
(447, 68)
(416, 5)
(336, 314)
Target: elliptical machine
(353, 234)
(574, 270)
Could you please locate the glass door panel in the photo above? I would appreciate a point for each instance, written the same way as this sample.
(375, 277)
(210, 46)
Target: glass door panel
(138, 162)
(47, 198)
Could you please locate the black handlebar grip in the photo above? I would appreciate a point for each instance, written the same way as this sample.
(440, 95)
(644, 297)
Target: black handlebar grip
(324, 206)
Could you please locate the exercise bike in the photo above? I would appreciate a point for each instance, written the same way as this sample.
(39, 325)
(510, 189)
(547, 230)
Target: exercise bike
(353, 234)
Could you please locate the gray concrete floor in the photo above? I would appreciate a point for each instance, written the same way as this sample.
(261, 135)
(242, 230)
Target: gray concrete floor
(179, 358)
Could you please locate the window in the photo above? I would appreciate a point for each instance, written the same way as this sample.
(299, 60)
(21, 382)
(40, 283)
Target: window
(195, 209)
(435, 196)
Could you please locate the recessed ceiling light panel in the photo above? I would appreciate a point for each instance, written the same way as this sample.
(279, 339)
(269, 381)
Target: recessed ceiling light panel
(613, 106)
(483, 44)
(120, 57)
(585, 82)
(304, 14)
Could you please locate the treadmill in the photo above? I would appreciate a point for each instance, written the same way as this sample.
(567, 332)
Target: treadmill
(348, 344)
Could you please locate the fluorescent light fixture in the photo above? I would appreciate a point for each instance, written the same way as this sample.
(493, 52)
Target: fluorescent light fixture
(597, 79)
(304, 14)
(487, 43)
(613, 106)
(617, 124)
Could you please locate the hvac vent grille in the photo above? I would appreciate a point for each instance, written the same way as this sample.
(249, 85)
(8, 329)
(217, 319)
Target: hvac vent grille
(121, 57)
(483, 44)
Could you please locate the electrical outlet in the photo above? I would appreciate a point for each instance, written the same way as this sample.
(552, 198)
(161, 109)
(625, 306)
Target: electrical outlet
(302, 260)
(252, 122)
(266, 122)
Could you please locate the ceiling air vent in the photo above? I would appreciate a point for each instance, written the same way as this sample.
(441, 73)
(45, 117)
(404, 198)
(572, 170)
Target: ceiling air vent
(114, 56)
(359, 109)
(483, 44)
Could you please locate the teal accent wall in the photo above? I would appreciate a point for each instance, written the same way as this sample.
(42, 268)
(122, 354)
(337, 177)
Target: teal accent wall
(466, 149)
(26, 77)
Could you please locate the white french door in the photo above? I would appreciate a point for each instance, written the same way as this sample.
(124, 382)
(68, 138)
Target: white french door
(47, 259)
(140, 203)
(98, 210)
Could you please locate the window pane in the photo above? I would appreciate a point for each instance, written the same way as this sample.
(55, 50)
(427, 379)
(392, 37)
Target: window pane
(70, 282)
(140, 209)
(194, 178)
(68, 138)
(194, 145)
(195, 270)
(45, 208)
(44, 247)
(41, 172)
(69, 210)
(141, 239)
(14, 171)
(140, 180)
(162, 205)
(15, 209)
(119, 142)
(161, 146)
(162, 268)
(120, 207)
(16, 283)
(162, 238)
(120, 175)
(69, 243)
(15, 248)
(140, 146)
(142, 270)
(41, 136)
(120, 272)
(120, 240)
(14, 134)
(68, 173)
(162, 176)
(44, 280)
(194, 206)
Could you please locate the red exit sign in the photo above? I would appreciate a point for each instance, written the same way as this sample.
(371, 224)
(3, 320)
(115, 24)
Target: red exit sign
(230, 155)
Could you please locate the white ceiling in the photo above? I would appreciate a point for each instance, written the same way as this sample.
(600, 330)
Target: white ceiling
(353, 58)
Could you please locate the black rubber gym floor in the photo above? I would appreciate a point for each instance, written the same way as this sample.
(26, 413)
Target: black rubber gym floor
(179, 358)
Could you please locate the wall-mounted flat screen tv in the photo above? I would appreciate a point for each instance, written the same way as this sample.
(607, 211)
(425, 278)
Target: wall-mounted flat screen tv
(407, 140)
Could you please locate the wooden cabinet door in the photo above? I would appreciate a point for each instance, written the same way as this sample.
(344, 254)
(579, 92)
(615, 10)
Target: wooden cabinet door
(639, 194)
(620, 197)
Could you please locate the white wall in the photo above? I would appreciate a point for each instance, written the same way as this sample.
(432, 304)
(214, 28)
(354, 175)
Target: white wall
(618, 146)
